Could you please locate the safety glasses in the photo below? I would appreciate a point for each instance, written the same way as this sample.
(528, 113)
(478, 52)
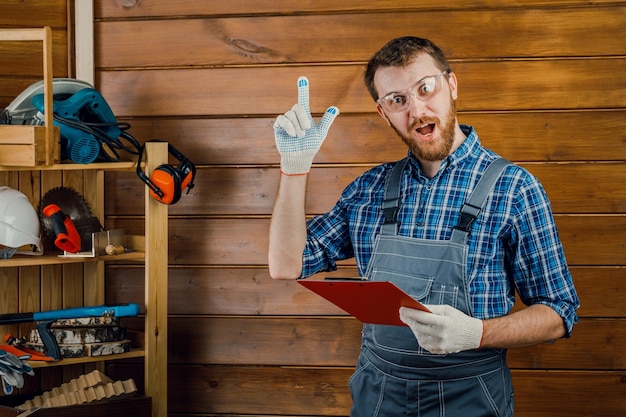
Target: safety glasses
(423, 90)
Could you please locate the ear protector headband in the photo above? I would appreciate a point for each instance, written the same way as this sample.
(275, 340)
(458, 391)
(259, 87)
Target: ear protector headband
(166, 182)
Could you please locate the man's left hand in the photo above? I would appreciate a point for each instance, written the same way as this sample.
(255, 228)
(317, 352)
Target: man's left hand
(444, 330)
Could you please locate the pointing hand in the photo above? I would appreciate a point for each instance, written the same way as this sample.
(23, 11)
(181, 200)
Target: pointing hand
(298, 138)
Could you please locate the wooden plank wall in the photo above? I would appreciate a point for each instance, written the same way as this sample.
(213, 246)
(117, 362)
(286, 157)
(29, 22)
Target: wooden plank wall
(540, 80)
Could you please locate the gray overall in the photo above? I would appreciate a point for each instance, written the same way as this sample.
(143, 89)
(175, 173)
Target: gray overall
(394, 375)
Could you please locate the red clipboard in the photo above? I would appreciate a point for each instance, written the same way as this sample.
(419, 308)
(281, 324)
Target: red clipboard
(372, 302)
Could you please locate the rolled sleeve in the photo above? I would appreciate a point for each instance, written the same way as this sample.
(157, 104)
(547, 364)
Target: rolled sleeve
(542, 275)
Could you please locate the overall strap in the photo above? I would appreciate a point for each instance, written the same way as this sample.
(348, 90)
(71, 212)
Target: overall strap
(469, 211)
(391, 200)
(472, 207)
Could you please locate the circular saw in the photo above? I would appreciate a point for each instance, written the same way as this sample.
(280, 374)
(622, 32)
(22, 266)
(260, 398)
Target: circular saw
(66, 219)
(22, 111)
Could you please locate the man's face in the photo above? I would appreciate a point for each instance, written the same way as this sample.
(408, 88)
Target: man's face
(426, 126)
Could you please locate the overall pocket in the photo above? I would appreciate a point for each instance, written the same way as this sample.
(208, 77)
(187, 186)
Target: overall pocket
(400, 339)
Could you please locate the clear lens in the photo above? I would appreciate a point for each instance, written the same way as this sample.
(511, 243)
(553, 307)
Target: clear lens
(395, 102)
(426, 88)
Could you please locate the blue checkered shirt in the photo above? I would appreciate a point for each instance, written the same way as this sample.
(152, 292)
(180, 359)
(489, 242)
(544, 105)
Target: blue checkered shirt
(513, 244)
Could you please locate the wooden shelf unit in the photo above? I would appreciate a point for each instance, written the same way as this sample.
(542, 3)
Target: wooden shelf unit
(39, 283)
(19, 271)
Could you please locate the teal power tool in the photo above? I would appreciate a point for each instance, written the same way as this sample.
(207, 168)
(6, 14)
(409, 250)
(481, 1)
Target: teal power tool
(88, 128)
(45, 319)
(85, 121)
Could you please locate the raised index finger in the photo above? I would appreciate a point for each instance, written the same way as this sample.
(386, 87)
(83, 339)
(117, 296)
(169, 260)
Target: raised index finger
(303, 92)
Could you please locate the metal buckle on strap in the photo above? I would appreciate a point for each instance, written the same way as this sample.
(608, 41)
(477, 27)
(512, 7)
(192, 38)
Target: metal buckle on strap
(469, 213)
(390, 211)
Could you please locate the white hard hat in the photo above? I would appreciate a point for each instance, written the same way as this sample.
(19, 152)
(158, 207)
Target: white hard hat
(19, 223)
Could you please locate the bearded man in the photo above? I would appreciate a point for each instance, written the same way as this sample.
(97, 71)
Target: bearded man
(453, 224)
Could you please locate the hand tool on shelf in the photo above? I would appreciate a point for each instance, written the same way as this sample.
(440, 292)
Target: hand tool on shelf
(16, 346)
(66, 218)
(66, 236)
(44, 320)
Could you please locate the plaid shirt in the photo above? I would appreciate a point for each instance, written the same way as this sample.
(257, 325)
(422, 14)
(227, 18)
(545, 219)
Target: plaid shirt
(513, 244)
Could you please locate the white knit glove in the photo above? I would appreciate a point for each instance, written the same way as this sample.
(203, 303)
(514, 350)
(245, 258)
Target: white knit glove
(11, 370)
(298, 139)
(445, 330)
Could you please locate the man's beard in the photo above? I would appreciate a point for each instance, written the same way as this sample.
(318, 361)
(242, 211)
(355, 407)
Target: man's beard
(435, 150)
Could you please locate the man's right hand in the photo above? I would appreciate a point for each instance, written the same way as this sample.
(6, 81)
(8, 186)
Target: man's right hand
(298, 138)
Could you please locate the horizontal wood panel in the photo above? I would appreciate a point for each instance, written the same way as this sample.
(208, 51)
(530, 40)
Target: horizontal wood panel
(602, 291)
(522, 85)
(536, 136)
(593, 240)
(336, 342)
(595, 186)
(155, 8)
(259, 390)
(225, 291)
(255, 39)
(580, 351)
(588, 240)
(252, 191)
(25, 58)
(251, 291)
(33, 13)
(265, 341)
(218, 389)
(567, 394)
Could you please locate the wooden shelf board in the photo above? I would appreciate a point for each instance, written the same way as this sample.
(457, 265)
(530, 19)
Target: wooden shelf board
(134, 353)
(54, 259)
(109, 166)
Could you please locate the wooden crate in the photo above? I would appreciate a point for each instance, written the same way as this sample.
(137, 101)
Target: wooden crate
(32, 145)
(26, 146)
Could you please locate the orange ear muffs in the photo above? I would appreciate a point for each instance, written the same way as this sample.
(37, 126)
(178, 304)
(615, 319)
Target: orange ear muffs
(187, 171)
(166, 182)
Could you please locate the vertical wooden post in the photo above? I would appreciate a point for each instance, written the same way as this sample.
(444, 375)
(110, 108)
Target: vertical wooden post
(47, 94)
(93, 282)
(156, 288)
